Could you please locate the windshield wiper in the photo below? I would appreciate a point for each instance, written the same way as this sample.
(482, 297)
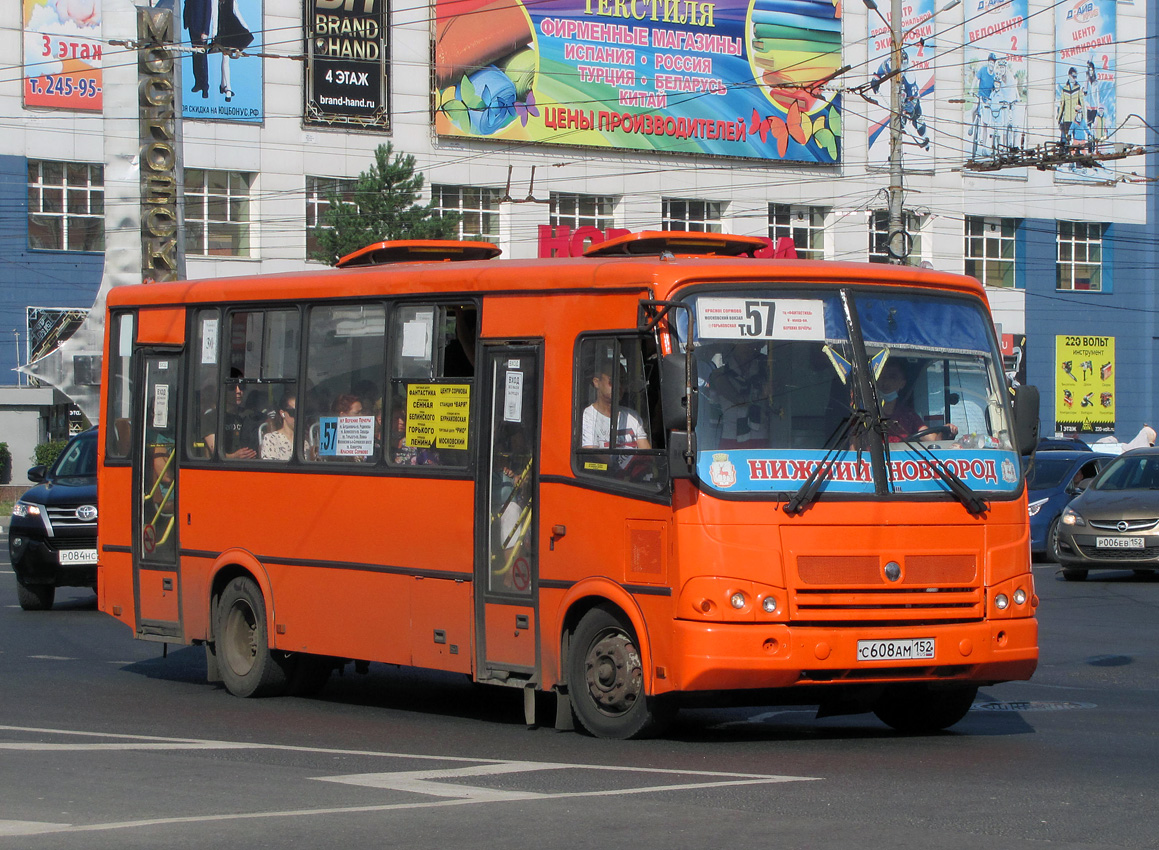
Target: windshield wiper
(809, 488)
(974, 503)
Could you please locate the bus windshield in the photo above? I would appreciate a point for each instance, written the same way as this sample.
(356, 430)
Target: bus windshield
(780, 390)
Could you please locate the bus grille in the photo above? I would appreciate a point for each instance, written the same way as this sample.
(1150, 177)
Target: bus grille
(853, 589)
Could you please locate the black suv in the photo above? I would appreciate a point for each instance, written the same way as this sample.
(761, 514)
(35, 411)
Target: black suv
(52, 541)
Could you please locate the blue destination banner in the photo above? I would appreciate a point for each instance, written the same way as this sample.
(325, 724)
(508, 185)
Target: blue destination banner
(778, 471)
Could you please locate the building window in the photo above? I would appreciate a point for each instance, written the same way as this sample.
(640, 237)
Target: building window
(575, 211)
(66, 206)
(478, 209)
(1080, 255)
(990, 250)
(879, 237)
(319, 190)
(804, 225)
(698, 216)
(217, 213)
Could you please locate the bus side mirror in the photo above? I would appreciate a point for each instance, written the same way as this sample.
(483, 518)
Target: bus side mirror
(677, 390)
(1025, 419)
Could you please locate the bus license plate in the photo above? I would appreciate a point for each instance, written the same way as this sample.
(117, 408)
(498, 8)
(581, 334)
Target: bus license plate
(1119, 542)
(895, 650)
(78, 556)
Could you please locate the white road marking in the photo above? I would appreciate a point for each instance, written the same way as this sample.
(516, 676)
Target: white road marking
(52, 658)
(29, 827)
(423, 782)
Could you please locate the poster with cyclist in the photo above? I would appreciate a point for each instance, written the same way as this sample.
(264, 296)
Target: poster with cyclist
(994, 81)
(1084, 83)
(917, 84)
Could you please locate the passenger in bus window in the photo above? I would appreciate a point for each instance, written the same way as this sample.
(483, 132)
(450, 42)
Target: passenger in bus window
(279, 443)
(237, 440)
(897, 409)
(596, 430)
(740, 389)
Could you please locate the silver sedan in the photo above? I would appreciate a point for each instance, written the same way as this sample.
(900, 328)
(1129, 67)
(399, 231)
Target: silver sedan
(1114, 523)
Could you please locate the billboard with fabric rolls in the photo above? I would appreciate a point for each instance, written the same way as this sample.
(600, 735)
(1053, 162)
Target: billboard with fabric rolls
(732, 78)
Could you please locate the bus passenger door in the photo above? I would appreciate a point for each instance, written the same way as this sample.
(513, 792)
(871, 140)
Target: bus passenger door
(506, 563)
(156, 569)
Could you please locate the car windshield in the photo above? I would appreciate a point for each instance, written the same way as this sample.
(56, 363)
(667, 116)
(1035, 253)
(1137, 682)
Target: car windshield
(1130, 473)
(778, 375)
(79, 458)
(1048, 472)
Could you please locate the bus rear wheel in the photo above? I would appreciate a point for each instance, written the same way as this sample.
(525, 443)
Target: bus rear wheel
(920, 709)
(248, 667)
(606, 677)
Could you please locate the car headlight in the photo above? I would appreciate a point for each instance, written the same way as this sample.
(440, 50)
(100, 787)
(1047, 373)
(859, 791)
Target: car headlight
(25, 509)
(1035, 507)
(1072, 517)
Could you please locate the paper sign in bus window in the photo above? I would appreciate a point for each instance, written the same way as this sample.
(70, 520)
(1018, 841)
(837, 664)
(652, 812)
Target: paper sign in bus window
(416, 336)
(513, 398)
(760, 318)
(208, 342)
(346, 436)
(437, 415)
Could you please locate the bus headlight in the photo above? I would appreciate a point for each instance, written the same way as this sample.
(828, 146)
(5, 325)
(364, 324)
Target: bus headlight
(1001, 602)
(737, 600)
(1019, 596)
(769, 604)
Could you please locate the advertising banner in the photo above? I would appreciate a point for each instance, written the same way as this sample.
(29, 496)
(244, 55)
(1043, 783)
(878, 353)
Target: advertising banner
(220, 83)
(1084, 384)
(731, 78)
(995, 81)
(1084, 80)
(62, 54)
(346, 56)
(917, 82)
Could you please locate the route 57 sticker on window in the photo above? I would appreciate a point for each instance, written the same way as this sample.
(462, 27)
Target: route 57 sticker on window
(760, 318)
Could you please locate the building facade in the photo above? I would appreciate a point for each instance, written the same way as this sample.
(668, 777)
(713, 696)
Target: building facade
(546, 126)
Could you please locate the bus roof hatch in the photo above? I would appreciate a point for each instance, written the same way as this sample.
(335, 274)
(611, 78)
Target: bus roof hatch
(419, 251)
(678, 243)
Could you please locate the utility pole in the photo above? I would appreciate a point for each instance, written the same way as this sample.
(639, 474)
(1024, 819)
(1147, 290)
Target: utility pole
(898, 240)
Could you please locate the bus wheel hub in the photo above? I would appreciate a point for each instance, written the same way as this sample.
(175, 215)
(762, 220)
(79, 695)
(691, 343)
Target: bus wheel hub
(614, 676)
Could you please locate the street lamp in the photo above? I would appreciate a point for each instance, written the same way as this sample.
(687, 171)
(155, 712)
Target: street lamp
(897, 239)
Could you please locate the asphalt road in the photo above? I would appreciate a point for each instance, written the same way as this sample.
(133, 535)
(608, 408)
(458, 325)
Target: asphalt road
(106, 743)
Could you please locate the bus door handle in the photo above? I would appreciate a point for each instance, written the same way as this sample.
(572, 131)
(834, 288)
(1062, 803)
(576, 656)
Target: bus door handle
(557, 531)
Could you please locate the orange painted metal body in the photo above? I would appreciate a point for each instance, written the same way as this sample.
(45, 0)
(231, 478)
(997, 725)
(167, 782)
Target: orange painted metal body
(657, 562)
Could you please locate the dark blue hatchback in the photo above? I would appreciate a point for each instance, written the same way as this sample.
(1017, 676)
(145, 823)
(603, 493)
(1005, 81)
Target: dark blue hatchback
(1054, 479)
(52, 541)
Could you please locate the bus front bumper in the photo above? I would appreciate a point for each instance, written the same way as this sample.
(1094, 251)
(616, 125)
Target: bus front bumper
(727, 656)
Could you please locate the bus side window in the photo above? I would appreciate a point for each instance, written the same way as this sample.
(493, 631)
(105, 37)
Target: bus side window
(345, 347)
(120, 392)
(432, 368)
(202, 409)
(617, 434)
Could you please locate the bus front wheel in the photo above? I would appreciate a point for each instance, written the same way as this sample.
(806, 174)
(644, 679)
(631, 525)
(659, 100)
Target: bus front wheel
(920, 710)
(606, 677)
(248, 667)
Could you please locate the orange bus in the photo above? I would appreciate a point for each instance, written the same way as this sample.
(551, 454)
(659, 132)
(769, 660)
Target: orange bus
(663, 472)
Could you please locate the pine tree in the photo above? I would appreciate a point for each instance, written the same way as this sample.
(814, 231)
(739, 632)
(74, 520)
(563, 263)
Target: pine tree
(382, 206)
